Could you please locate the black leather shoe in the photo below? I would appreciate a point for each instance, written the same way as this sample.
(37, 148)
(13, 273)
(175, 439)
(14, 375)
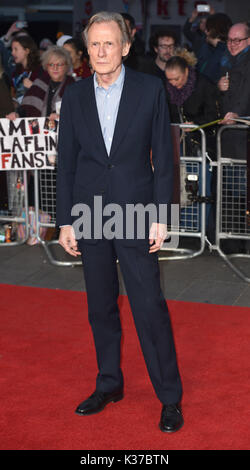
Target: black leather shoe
(171, 418)
(97, 402)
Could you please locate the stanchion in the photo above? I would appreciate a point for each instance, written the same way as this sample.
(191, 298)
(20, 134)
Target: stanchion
(231, 206)
(192, 222)
(45, 203)
(14, 211)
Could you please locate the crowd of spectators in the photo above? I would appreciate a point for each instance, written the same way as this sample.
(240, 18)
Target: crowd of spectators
(201, 79)
(206, 78)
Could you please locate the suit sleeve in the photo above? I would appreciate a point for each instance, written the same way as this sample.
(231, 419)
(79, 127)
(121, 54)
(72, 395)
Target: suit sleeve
(68, 148)
(162, 150)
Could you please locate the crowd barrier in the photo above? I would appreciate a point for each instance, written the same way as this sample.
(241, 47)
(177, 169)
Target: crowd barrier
(192, 197)
(192, 203)
(14, 209)
(232, 222)
(194, 166)
(45, 202)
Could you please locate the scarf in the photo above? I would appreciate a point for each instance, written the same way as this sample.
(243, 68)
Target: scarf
(34, 103)
(230, 61)
(179, 96)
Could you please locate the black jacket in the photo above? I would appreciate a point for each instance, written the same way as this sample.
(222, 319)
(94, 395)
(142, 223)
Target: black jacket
(237, 98)
(200, 107)
(125, 176)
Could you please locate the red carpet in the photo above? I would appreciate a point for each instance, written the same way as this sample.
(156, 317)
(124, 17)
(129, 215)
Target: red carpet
(47, 366)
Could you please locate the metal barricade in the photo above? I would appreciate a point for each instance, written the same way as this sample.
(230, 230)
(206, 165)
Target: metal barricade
(45, 212)
(192, 222)
(231, 206)
(14, 212)
(192, 207)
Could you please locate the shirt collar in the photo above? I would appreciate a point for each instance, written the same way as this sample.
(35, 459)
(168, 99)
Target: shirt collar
(119, 81)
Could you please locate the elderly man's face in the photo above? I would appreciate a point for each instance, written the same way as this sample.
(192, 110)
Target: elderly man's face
(105, 49)
(237, 39)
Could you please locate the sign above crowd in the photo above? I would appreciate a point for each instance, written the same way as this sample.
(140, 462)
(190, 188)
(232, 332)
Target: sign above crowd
(28, 144)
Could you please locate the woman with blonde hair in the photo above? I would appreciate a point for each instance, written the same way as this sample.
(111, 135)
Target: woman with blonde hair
(191, 96)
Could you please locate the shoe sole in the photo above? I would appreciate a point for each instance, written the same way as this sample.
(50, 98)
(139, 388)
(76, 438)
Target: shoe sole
(113, 400)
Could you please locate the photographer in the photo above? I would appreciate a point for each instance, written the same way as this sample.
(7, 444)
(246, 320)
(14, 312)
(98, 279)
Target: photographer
(208, 40)
(194, 29)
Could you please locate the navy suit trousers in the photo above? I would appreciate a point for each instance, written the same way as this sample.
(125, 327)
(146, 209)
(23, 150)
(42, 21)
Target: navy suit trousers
(140, 271)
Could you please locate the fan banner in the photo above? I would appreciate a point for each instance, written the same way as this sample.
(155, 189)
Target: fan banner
(28, 143)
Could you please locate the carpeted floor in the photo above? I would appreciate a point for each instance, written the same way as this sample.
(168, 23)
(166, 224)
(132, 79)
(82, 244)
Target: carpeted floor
(48, 365)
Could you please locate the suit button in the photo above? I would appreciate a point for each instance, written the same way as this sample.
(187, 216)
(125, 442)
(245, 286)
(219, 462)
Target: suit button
(110, 166)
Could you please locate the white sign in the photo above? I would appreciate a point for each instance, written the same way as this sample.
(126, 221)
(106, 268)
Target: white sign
(28, 144)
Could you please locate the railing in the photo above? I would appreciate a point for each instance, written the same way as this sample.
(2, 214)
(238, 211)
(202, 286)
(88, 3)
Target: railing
(14, 211)
(192, 214)
(232, 222)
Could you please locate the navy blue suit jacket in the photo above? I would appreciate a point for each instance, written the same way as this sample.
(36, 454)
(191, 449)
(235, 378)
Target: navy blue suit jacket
(126, 175)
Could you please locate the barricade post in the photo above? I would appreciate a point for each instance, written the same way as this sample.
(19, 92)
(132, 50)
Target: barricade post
(192, 223)
(231, 206)
(14, 212)
(45, 202)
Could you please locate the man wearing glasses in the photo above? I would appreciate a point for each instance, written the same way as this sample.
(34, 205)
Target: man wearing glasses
(235, 74)
(164, 44)
(234, 101)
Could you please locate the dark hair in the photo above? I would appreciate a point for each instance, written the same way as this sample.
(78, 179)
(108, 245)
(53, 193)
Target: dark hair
(130, 19)
(218, 25)
(33, 58)
(77, 45)
(161, 33)
(176, 62)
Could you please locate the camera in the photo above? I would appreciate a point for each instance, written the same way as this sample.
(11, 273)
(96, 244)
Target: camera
(192, 187)
(203, 8)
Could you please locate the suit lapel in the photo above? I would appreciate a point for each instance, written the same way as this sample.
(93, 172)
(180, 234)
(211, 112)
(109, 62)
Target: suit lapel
(89, 108)
(130, 99)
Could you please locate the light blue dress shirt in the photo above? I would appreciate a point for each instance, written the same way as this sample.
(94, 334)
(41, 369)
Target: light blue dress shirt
(107, 102)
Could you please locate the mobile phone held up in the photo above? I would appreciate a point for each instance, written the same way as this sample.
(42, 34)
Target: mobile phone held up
(203, 8)
(21, 24)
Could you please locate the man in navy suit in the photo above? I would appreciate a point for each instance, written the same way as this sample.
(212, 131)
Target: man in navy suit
(109, 125)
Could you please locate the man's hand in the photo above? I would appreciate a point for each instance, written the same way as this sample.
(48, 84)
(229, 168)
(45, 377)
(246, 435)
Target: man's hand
(223, 83)
(193, 16)
(228, 118)
(188, 129)
(157, 235)
(67, 240)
